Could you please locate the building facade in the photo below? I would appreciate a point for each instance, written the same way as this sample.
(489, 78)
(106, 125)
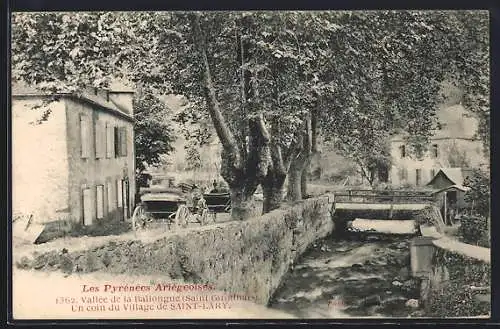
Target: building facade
(79, 163)
(454, 145)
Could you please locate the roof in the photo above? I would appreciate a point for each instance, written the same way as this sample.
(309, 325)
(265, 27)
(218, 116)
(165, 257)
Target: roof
(454, 175)
(453, 187)
(95, 98)
(162, 196)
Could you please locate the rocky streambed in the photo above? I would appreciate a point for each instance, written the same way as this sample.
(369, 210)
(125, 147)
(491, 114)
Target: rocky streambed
(366, 276)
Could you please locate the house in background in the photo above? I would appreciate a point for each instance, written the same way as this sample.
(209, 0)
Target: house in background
(453, 144)
(78, 164)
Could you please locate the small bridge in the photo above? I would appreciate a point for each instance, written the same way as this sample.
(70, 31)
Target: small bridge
(386, 208)
(383, 200)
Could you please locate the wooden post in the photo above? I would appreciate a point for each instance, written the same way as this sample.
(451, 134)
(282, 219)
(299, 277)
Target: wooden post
(392, 206)
(445, 209)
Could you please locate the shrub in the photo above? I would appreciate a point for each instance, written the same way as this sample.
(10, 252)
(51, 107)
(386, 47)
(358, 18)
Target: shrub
(474, 230)
(479, 194)
(453, 297)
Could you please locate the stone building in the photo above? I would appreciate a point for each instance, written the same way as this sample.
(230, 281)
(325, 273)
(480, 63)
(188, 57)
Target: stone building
(78, 164)
(453, 145)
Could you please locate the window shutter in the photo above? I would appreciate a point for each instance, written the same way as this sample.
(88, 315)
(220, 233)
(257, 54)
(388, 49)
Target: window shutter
(85, 136)
(119, 192)
(123, 141)
(117, 141)
(100, 201)
(87, 207)
(99, 140)
(111, 202)
(110, 144)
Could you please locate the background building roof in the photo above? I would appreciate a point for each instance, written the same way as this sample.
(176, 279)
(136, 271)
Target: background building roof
(456, 176)
(94, 96)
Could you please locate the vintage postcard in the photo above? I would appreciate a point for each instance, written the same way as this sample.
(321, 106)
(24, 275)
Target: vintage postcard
(250, 165)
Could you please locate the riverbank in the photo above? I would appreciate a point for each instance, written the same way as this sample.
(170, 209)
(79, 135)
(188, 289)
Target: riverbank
(352, 279)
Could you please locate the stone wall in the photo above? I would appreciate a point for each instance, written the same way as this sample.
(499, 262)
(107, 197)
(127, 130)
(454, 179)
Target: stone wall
(248, 257)
(457, 281)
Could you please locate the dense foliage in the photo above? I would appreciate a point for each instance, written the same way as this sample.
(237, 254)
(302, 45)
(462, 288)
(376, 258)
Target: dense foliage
(475, 227)
(479, 193)
(454, 296)
(272, 81)
(153, 130)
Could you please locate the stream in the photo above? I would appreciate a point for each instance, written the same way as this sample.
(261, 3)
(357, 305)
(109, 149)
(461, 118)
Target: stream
(351, 278)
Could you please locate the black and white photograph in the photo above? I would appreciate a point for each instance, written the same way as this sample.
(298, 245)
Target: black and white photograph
(264, 164)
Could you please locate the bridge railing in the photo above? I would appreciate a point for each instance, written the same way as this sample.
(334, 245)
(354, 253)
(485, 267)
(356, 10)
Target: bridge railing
(393, 196)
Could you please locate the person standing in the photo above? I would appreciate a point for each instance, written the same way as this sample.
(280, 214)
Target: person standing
(215, 187)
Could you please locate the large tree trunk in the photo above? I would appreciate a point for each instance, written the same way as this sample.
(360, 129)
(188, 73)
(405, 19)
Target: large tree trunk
(243, 182)
(294, 192)
(272, 188)
(242, 203)
(303, 182)
(240, 169)
(300, 160)
(273, 182)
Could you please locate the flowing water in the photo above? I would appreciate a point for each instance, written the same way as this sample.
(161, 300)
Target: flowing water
(351, 278)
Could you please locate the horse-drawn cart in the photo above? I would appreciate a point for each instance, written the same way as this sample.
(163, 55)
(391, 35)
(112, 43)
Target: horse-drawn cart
(217, 203)
(178, 208)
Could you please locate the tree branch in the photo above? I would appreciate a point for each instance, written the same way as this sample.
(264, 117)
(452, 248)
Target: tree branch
(314, 128)
(308, 137)
(223, 132)
(261, 124)
(276, 151)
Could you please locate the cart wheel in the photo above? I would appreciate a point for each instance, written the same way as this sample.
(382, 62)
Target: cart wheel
(139, 217)
(171, 220)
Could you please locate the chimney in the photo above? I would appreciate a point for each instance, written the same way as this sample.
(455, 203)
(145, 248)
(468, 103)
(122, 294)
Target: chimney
(121, 95)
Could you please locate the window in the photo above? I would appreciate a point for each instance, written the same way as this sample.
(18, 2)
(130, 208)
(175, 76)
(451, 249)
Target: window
(120, 141)
(109, 141)
(87, 207)
(402, 149)
(435, 150)
(418, 176)
(100, 140)
(100, 201)
(119, 193)
(111, 201)
(84, 136)
(123, 141)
